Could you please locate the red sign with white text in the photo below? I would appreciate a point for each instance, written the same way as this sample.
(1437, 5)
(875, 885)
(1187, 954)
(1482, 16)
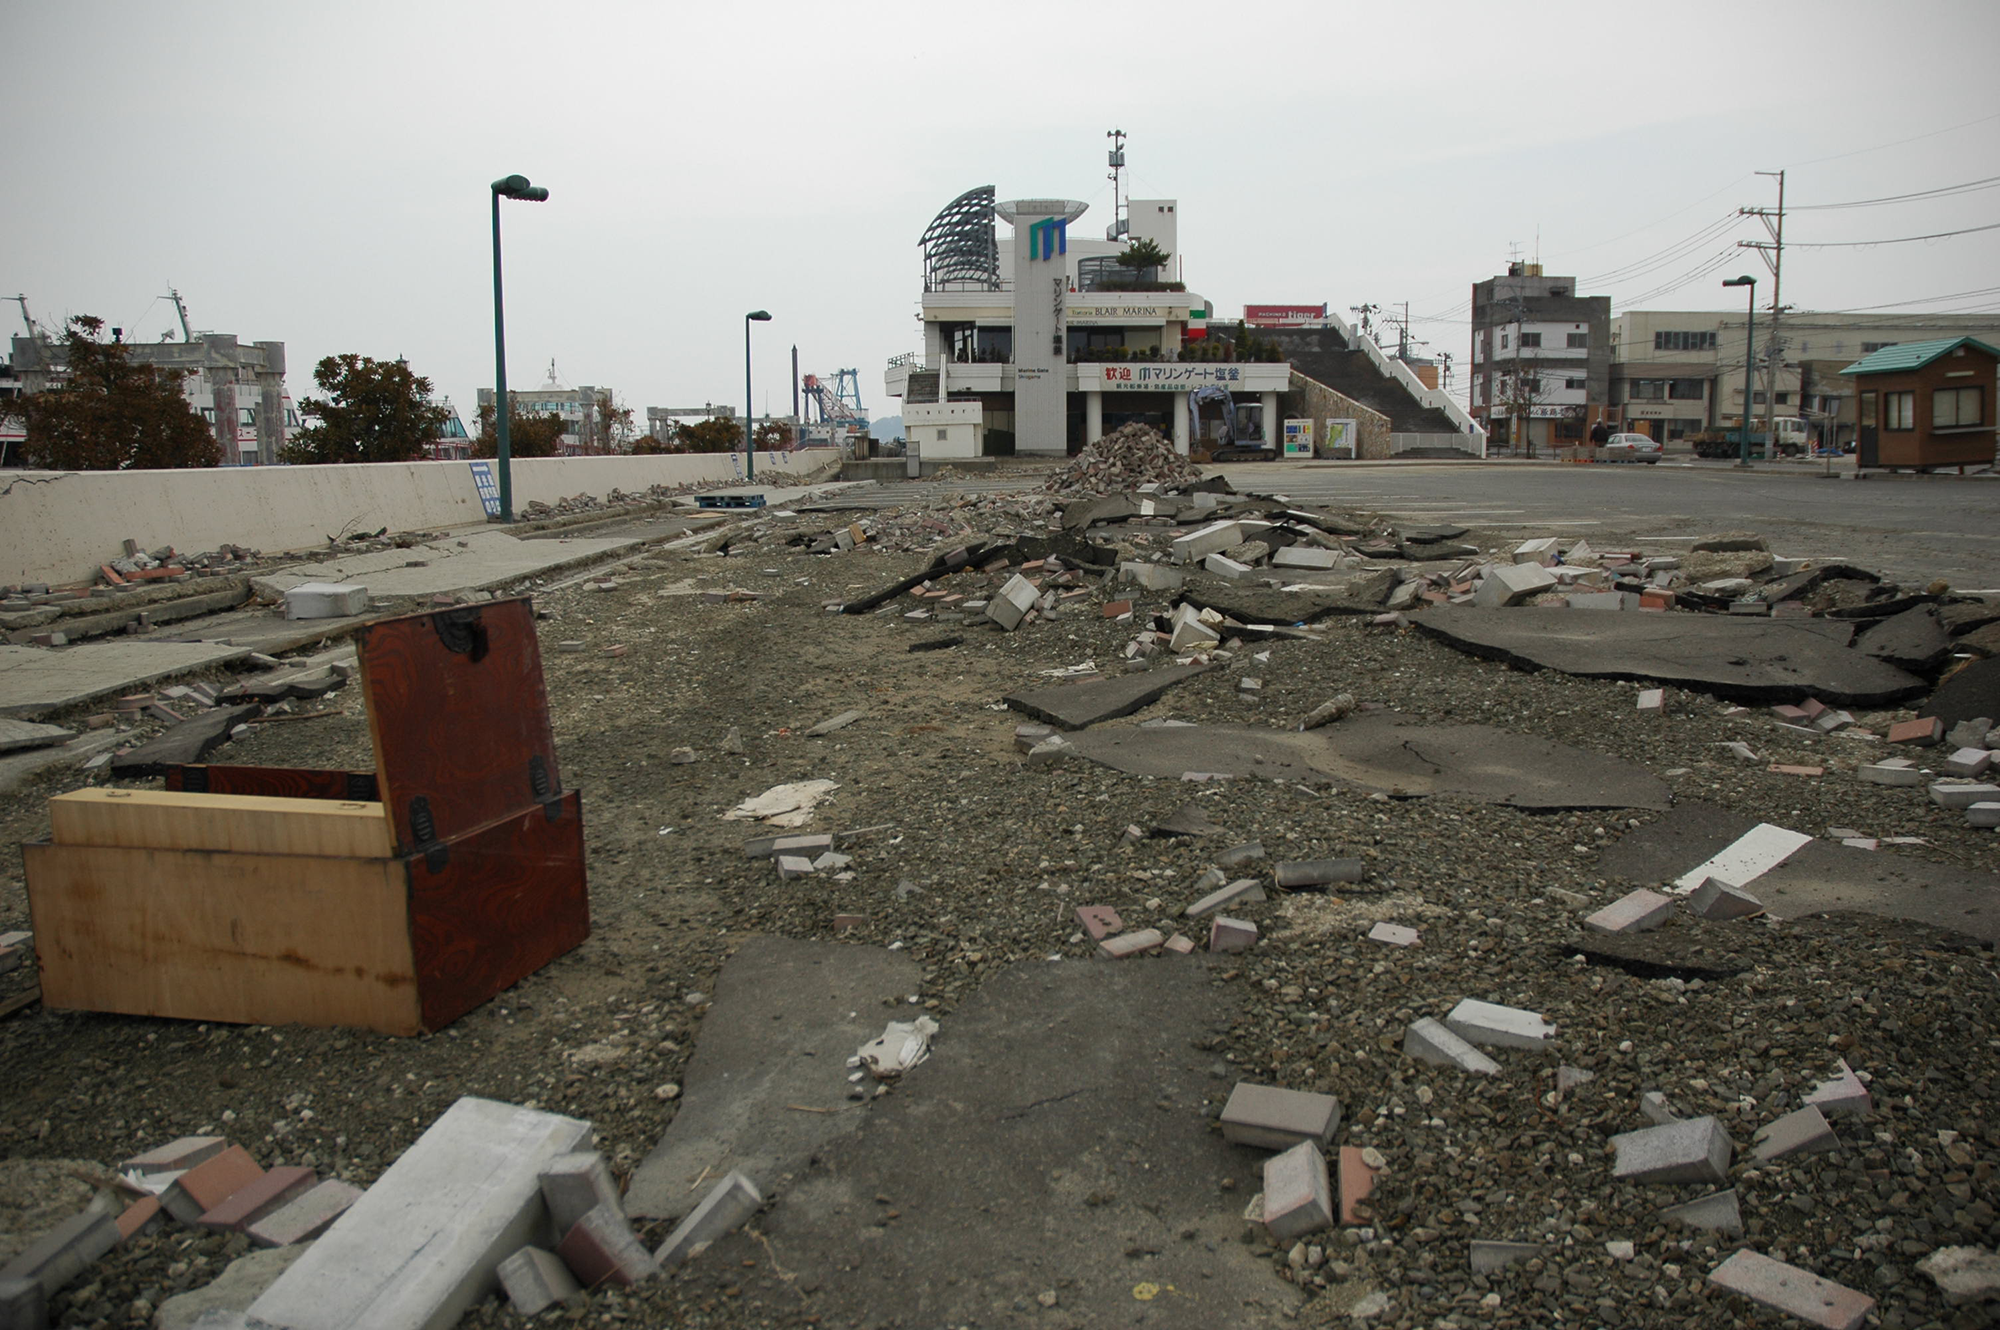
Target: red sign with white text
(1283, 316)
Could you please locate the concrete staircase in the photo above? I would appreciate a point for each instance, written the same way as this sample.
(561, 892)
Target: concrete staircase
(1321, 354)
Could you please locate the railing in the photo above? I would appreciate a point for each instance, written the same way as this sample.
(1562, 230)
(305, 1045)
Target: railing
(1435, 398)
(907, 360)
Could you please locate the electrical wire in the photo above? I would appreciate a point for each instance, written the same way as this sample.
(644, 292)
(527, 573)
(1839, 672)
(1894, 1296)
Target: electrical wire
(1667, 257)
(1898, 240)
(1943, 191)
(1927, 300)
(1714, 263)
(1897, 144)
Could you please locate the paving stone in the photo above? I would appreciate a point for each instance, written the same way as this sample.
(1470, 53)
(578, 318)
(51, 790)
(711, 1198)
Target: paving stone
(1963, 1274)
(1131, 944)
(1962, 794)
(1985, 813)
(1100, 921)
(1922, 732)
(1273, 1118)
(1213, 538)
(304, 1217)
(1969, 763)
(574, 1184)
(1804, 1131)
(1230, 936)
(64, 1252)
(1634, 912)
(1011, 603)
(1717, 1212)
(1240, 892)
(794, 865)
(210, 1183)
(276, 1188)
(1885, 773)
(1180, 944)
(1396, 935)
(1842, 1095)
(536, 1280)
(1718, 900)
(1787, 1288)
(1428, 1040)
(1746, 858)
(767, 847)
(728, 1204)
(1297, 1197)
(1696, 1150)
(325, 600)
(601, 1248)
(176, 1156)
(1509, 584)
(1305, 556)
(1356, 1183)
(1487, 1255)
(1496, 1026)
(1656, 1108)
(1318, 872)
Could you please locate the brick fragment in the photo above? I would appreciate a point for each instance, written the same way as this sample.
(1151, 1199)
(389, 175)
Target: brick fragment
(1100, 921)
(251, 1203)
(142, 1216)
(1695, 1150)
(1131, 944)
(210, 1183)
(601, 1248)
(1231, 935)
(1634, 912)
(1428, 1040)
(1923, 732)
(1788, 1289)
(1804, 1131)
(1717, 1212)
(536, 1280)
(1717, 899)
(1297, 1197)
(794, 865)
(728, 1204)
(1357, 1184)
(1273, 1118)
(1180, 944)
(1240, 892)
(1653, 699)
(1493, 1025)
(305, 1216)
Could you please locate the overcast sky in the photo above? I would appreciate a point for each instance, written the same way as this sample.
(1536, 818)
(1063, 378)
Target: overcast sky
(317, 174)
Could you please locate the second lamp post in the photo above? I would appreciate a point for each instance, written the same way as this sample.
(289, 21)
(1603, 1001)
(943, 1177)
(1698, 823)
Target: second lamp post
(749, 408)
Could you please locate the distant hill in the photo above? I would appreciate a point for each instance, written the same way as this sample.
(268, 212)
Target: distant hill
(888, 427)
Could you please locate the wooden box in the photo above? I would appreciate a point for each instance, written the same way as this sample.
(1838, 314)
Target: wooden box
(397, 900)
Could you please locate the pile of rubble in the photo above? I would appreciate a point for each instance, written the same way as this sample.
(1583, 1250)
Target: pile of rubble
(1126, 458)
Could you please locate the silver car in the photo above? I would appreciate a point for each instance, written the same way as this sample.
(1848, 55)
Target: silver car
(1629, 448)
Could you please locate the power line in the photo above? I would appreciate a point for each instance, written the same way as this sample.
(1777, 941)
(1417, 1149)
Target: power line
(1927, 300)
(1943, 191)
(1898, 240)
(1900, 142)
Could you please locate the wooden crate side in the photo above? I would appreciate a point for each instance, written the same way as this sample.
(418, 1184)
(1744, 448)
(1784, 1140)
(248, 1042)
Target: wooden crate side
(510, 898)
(236, 823)
(279, 782)
(251, 938)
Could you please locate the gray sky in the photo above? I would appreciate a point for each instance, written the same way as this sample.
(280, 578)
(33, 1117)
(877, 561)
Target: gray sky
(318, 173)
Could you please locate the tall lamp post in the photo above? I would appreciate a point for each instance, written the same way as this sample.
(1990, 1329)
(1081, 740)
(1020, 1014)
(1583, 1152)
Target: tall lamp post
(507, 187)
(749, 406)
(1749, 366)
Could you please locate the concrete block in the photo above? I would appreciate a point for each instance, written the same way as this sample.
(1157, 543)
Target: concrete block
(1717, 1212)
(1130, 944)
(1656, 1108)
(536, 1280)
(601, 1248)
(249, 1204)
(1962, 794)
(23, 1305)
(1970, 763)
(1272, 1118)
(1889, 773)
(1963, 1274)
(1151, 576)
(1231, 935)
(1487, 1255)
(1180, 944)
(1011, 603)
(1428, 1040)
(210, 1183)
(1240, 892)
(1543, 551)
(728, 1204)
(1804, 1131)
(1634, 912)
(1509, 584)
(1356, 1183)
(1297, 1196)
(575, 1184)
(1796, 1292)
(1496, 1026)
(1305, 556)
(1100, 921)
(1190, 632)
(1228, 569)
(64, 1252)
(304, 1217)
(1985, 813)
(1318, 872)
(176, 1156)
(325, 600)
(794, 865)
(1199, 544)
(766, 847)
(425, 1242)
(1653, 699)
(1696, 1150)
(1396, 935)
(1235, 855)
(1717, 899)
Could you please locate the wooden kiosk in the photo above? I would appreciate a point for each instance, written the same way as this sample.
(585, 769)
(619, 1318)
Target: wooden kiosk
(397, 899)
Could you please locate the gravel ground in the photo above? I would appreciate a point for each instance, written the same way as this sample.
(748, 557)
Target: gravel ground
(979, 861)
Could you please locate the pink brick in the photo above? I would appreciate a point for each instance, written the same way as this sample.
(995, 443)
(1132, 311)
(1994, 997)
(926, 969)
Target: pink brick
(1180, 944)
(1130, 944)
(305, 1216)
(176, 1156)
(1231, 935)
(210, 1183)
(1789, 1289)
(601, 1248)
(1923, 732)
(1791, 713)
(1793, 769)
(266, 1194)
(1100, 921)
(1357, 1184)
(1812, 706)
(138, 1217)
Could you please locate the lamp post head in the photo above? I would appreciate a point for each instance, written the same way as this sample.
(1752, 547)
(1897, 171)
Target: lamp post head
(517, 187)
(759, 316)
(1739, 281)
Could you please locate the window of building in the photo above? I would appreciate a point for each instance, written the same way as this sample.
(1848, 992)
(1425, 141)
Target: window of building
(1683, 341)
(1757, 398)
(208, 414)
(1784, 399)
(1576, 385)
(1531, 339)
(943, 435)
(1649, 390)
(1957, 406)
(1503, 341)
(1578, 341)
(1684, 390)
(1899, 410)
(1867, 347)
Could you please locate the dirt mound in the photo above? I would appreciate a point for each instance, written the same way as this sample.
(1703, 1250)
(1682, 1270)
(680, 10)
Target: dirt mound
(1126, 458)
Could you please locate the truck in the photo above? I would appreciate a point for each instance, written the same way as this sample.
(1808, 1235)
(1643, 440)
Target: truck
(1795, 439)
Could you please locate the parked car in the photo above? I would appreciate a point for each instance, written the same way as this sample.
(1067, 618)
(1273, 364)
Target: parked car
(1629, 448)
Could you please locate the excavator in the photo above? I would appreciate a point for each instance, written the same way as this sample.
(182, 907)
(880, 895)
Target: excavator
(1235, 446)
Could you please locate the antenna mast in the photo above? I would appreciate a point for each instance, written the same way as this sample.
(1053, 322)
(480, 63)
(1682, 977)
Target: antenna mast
(180, 308)
(1120, 222)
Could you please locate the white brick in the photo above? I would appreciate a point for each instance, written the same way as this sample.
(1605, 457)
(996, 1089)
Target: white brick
(1962, 794)
(1541, 551)
(1507, 584)
(1273, 1118)
(1788, 1289)
(1496, 1026)
(1305, 556)
(1428, 1040)
(728, 1204)
(325, 600)
(1012, 602)
(1240, 892)
(1634, 912)
(1888, 773)
(1199, 544)
(1751, 855)
(1696, 1150)
(1297, 1196)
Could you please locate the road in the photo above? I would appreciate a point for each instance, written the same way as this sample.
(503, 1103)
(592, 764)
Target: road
(1910, 528)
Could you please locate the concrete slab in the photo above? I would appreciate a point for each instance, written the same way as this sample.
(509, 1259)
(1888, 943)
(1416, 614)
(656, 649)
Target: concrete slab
(35, 681)
(1262, 605)
(1787, 1288)
(17, 735)
(241, 1282)
(1914, 640)
(1385, 752)
(787, 1016)
(1973, 690)
(1751, 660)
(1747, 858)
(1075, 706)
(1036, 1131)
(475, 561)
(1819, 877)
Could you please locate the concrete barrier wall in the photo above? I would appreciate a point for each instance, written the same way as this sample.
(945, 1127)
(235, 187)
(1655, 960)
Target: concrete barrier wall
(58, 526)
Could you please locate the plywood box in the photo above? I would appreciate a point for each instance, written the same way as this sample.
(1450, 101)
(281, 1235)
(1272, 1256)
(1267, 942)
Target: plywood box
(260, 895)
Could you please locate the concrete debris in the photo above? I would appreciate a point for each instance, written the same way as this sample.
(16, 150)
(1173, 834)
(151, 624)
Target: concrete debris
(1272, 1118)
(1963, 1274)
(1694, 1150)
(1718, 1212)
(1228, 935)
(1428, 1040)
(1495, 1026)
(1788, 1289)
(1124, 459)
(1656, 1109)
(728, 1205)
(788, 805)
(1803, 1131)
(1719, 899)
(1634, 912)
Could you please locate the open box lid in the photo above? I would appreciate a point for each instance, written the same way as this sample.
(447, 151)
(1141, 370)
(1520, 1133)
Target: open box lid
(460, 719)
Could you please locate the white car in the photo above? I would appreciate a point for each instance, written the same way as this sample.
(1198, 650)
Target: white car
(1629, 448)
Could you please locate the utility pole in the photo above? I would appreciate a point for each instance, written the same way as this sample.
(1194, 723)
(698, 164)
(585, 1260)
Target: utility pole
(1773, 253)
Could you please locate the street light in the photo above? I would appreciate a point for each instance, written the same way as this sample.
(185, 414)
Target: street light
(507, 187)
(1749, 364)
(749, 407)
